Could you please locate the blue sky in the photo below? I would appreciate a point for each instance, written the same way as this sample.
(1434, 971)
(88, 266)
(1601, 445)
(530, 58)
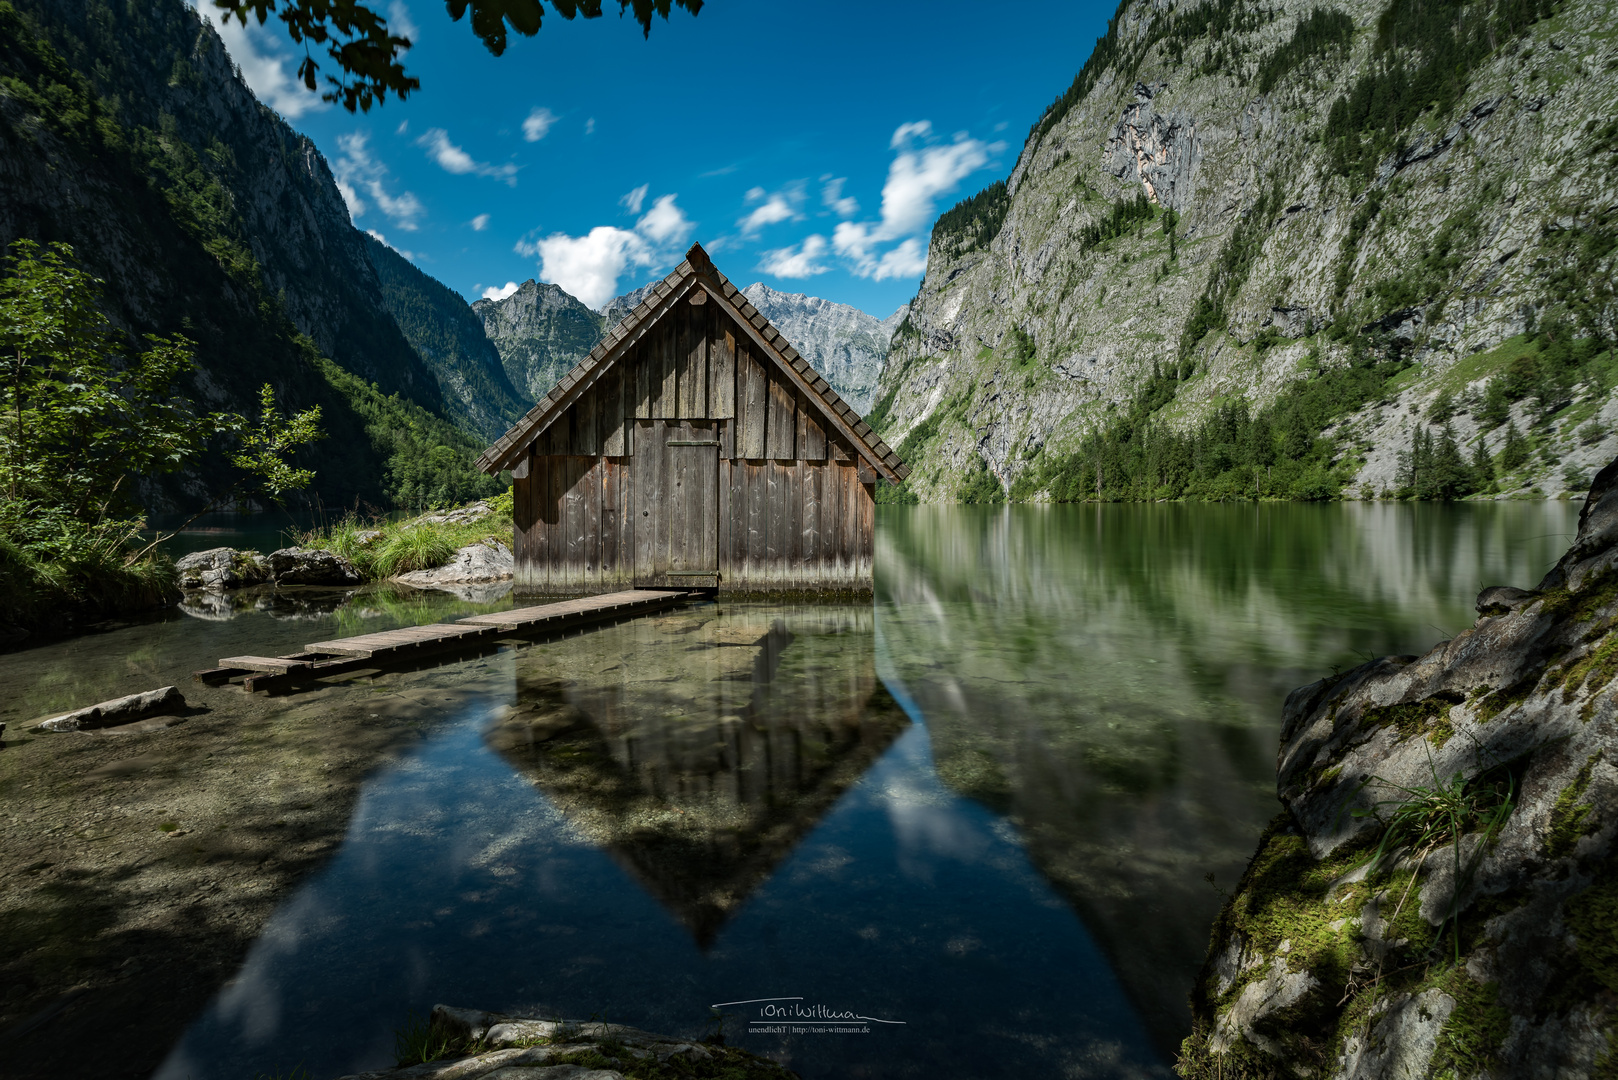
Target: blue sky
(807, 145)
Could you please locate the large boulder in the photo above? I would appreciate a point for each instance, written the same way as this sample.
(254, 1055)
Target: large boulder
(1439, 895)
(221, 568)
(302, 566)
(474, 564)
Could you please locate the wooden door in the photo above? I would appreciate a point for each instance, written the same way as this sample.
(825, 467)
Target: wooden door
(677, 503)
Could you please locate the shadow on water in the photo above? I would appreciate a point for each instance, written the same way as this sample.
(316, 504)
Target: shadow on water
(1111, 678)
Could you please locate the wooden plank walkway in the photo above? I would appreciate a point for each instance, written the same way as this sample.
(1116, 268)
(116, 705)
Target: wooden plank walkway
(409, 643)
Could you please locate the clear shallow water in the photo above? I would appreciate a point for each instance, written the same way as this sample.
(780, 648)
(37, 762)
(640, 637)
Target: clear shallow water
(986, 805)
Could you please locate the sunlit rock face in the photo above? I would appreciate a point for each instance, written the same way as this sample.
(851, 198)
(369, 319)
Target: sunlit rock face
(701, 752)
(1439, 896)
(1174, 110)
(843, 343)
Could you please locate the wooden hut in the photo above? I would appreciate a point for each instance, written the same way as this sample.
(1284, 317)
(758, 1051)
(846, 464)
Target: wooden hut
(693, 448)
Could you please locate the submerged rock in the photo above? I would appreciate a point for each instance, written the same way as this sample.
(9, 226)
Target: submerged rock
(166, 700)
(524, 1048)
(1370, 937)
(474, 564)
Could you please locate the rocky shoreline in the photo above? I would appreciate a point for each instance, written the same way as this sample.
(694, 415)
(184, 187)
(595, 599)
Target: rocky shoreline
(1439, 896)
(470, 1044)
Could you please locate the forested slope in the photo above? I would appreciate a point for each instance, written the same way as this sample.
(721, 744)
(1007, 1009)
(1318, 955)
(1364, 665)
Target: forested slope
(125, 132)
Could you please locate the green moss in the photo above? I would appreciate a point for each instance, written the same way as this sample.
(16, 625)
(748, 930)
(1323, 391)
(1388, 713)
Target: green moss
(1470, 1040)
(1582, 605)
(1413, 718)
(1498, 701)
(1592, 673)
(1569, 819)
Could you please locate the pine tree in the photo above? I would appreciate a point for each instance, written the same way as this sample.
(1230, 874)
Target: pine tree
(1515, 453)
(1482, 467)
(1449, 477)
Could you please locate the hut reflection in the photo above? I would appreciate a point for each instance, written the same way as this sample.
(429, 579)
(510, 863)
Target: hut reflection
(698, 749)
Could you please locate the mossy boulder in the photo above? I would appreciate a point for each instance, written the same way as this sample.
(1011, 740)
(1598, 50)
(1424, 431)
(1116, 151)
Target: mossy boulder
(1439, 896)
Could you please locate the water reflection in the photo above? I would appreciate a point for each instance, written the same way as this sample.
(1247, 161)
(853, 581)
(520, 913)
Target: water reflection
(717, 804)
(1111, 678)
(706, 746)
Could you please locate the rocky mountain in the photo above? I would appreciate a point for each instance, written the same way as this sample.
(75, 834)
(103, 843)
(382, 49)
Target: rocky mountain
(450, 339)
(844, 344)
(126, 132)
(1289, 250)
(541, 331)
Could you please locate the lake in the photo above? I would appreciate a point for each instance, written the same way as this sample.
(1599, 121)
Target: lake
(991, 813)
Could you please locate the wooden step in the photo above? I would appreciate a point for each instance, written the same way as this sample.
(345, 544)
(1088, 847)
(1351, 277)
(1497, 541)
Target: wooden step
(278, 664)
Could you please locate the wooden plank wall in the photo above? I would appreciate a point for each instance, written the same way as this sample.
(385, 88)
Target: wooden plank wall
(793, 515)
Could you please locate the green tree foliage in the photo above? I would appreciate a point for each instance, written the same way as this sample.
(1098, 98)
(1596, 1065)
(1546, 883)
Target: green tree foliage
(370, 60)
(1423, 58)
(974, 222)
(1326, 32)
(1233, 453)
(1434, 468)
(85, 414)
(980, 487)
(1127, 216)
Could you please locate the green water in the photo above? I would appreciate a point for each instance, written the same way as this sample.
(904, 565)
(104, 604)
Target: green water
(1111, 678)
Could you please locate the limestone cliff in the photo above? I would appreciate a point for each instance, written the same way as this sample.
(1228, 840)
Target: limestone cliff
(541, 331)
(1235, 199)
(1439, 896)
(846, 345)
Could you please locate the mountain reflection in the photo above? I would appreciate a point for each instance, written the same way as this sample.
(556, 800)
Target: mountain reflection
(1111, 678)
(698, 749)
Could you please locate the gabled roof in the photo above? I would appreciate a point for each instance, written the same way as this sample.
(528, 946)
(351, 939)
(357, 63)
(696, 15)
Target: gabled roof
(696, 272)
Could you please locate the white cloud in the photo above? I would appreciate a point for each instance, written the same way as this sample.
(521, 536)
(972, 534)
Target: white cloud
(909, 259)
(264, 69)
(590, 126)
(480, 223)
(404, 126)
(492, 293)
(919, 175)
(800, 261)
(665, 222)
(774, 207)
(633, 200)
(379, 238)
(538, 124)
(921, 171)
(832, 196)
(453, 159)
(400, 22)
(360, 177)
(589, 266)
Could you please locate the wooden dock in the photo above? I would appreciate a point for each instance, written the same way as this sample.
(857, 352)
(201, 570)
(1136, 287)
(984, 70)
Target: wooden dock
(408, 644)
